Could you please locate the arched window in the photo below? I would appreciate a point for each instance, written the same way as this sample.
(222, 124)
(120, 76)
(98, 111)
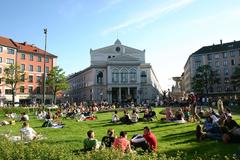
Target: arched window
(124, 76)
(143, 77)
(100, 78)
(133, 75)
(115, 75)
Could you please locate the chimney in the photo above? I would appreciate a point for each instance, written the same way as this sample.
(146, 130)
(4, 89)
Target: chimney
(24, 43)
(221, 41)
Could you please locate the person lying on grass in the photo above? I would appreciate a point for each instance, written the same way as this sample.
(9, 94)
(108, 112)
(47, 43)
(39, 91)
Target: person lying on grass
(232, 131)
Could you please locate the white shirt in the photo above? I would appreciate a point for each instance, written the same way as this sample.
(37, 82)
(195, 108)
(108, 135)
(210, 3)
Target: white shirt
(28, 133)
(134, 117)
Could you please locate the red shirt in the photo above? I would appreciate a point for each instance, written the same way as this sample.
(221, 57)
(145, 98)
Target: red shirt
(151, 140)
(121, 143)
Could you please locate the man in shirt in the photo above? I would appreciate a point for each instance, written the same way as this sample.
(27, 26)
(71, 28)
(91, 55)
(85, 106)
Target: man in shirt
(150, 138)
(90, 143)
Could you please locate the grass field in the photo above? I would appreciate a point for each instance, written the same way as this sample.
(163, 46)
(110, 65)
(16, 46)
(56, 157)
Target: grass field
(171, 137)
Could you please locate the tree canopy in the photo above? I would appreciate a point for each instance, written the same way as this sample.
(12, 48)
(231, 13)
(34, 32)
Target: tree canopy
(56, 81)
(204, 79)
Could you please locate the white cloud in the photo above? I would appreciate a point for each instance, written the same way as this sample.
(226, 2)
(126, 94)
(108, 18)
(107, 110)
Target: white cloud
(148, 16)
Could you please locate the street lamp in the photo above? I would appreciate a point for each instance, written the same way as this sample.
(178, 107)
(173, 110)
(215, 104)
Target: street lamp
(44, 66)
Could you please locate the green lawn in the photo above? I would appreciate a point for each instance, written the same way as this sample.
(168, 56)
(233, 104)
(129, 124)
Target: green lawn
(171, 137)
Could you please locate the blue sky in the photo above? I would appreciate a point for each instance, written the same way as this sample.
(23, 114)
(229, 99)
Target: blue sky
(169, 30)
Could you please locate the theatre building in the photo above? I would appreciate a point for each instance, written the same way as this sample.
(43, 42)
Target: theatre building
(117, 73)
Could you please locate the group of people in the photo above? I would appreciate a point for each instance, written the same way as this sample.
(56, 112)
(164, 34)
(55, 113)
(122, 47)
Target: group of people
(219, 126)
(149, 115)
(147, 141)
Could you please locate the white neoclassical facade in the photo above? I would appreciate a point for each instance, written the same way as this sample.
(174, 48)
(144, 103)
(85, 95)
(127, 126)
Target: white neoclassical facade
(117, 73)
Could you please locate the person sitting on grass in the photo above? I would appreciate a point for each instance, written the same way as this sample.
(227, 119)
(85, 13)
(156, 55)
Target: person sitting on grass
(107, 141)
(152, 114)
(126, 118)
(180, 116)
(122, 143)
(24, 117)
(48, 120)
(134, 117)
(90, 143)
(150, 138)
(232, 131)
(115, 117)
(27, 133)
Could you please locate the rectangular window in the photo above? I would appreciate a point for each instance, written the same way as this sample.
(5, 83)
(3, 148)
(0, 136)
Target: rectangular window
(9, 61)
(1, 49)
(225, 71)
(217, 63)
(38, 78)
(31, 56)
(38, 90)
(225, 62)
(224, 54)
(209, 56)
(38, 68)
(30, 89)
(22, 67)
(39, 58)
(30, 78)
(22, 78)
(216, 56)
(47, 59)
(10, 51)
(233, 62)
(30, 68)
(23, 56)
(0, 59)
(8, 91)
(232, 54)
(21, 89)
(47, 69)
(218, 71)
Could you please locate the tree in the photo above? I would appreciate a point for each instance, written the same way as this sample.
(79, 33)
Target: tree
(12, 76)
(204, 79)
(56, 81)
(235, 79)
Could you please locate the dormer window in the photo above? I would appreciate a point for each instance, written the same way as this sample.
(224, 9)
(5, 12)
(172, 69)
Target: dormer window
(109, 57)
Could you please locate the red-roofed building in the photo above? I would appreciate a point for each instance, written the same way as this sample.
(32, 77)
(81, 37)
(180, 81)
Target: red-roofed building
(31, 60)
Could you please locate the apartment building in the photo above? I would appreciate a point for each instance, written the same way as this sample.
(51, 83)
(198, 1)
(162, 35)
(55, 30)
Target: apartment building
(31, 61)
(223, 58)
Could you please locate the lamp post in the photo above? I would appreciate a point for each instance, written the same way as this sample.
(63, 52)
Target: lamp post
(44, 67)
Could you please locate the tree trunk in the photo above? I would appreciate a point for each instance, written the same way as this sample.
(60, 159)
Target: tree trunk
(54, 96)
(13, 97)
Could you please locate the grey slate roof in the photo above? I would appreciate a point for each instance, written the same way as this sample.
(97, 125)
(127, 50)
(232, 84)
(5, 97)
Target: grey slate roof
(218, 48)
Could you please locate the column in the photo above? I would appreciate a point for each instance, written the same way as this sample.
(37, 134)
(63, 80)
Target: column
(119, 95)
(138, 95)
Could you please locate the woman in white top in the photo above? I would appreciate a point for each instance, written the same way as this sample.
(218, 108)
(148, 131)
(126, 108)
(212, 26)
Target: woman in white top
(27, 133)
(134, 117)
